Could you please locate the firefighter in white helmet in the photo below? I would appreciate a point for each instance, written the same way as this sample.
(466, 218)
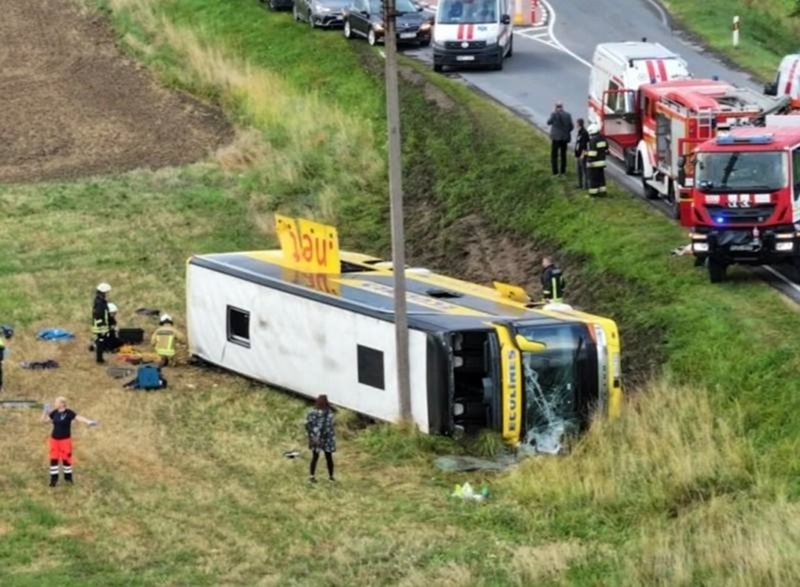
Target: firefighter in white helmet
(101, 321)
(164, 339)
(596, 161)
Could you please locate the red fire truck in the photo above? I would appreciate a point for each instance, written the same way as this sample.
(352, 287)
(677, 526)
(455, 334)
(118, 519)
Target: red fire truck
(746, 198)
(677, 116)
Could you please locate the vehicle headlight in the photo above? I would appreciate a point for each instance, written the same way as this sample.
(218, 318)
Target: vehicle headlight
(700, 247)
(426, 26)
(788, 246)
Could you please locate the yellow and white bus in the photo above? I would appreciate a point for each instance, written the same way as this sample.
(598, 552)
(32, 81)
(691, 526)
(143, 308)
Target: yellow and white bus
(480, 357)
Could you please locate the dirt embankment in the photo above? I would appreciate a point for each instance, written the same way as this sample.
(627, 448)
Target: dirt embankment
(73, 105)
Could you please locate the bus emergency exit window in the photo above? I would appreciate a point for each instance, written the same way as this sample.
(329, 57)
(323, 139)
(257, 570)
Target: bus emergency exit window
(239, 326)
(370, 367)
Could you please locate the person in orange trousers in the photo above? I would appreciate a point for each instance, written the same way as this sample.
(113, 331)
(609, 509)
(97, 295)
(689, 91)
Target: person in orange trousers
(61, 438)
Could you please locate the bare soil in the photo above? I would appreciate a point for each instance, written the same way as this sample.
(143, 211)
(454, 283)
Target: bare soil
(73, 105)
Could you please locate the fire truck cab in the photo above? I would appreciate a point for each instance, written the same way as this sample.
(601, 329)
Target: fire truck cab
(677, 116)
(746, 197)
(618, 72)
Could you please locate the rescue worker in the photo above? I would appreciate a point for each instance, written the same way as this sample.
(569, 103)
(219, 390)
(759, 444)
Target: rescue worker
(596, 161)
(100, 321)
(112, 342)
(552, 281)
(61, 438)
(164, 338)
(581, 146)
(6, 332)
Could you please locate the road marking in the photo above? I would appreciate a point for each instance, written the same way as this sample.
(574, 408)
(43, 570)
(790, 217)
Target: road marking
(661, 13)
(783, 278)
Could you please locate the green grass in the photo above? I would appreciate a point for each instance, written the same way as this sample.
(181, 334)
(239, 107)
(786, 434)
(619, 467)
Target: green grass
(768, 29)
(696, 484)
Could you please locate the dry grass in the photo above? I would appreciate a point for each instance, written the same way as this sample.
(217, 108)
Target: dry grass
(670, 448)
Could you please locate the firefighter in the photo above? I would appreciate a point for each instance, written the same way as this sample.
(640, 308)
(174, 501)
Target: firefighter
(164, 338)
(596, 161)
(552, 281)
(101, 323)
(6, 332)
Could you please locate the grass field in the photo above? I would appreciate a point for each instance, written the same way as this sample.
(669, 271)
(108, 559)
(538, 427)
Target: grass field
(696, 484)
(768, 29)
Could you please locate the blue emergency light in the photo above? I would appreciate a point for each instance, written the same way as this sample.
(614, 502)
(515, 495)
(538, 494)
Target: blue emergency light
(719, 220)
(764, 139)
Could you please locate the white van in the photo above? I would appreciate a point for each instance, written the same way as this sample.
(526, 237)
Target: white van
(787, 80)
(472, 32)
(618, 71)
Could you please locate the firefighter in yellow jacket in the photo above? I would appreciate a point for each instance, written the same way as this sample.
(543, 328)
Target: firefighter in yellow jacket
(164, 339)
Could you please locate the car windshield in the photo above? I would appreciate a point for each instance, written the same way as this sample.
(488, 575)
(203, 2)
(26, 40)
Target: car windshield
(555, 396)
(468, 11)
(736, 171)
(401, 6)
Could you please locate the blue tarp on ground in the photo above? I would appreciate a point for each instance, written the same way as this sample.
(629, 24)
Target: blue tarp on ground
(55, 334)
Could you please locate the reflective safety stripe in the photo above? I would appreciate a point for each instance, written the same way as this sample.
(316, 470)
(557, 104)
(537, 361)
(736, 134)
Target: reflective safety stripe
(591, 153)
(99, 327)
(165, 343)
(601, 145)
(596, 164)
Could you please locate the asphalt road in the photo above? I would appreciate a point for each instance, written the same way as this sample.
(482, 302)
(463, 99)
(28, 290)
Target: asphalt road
(551, 63)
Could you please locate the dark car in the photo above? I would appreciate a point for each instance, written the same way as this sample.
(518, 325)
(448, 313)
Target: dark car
(321, 13)
(278, 4)
(364, 18)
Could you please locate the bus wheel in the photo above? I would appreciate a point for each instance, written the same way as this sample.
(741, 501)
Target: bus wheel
(716, 270)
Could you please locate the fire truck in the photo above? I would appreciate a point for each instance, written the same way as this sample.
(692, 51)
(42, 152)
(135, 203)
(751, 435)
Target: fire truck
(746, 197)
(619, 71)
(676, 117)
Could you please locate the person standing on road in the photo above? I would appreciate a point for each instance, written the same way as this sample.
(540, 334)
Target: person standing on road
(581, 146)
(560, 123)
(101, 323)
(321, 435)
(61, 438)
(552, 281)
(596, 161)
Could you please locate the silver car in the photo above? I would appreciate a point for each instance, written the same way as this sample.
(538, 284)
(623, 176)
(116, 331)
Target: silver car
(320, 13)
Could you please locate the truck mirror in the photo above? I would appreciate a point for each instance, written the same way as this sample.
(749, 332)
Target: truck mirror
(771, 89)
(529, 345)
(505, 19)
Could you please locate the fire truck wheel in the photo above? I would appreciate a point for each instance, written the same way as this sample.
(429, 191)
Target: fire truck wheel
(717, 270)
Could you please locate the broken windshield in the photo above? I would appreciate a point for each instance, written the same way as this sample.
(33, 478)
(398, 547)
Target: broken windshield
(558, 385)
(737, 171)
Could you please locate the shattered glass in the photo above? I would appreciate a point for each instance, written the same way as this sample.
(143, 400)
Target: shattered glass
(551, 408)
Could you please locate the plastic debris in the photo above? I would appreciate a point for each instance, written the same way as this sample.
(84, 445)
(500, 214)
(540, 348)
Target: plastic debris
(56, 334)
(19, 403)
(147, 312)
(291, 454)
(467, 492)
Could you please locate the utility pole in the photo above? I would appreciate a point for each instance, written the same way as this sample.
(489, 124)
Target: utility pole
(396, 203)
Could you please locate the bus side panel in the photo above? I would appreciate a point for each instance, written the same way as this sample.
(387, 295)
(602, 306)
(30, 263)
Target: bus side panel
(305, 346)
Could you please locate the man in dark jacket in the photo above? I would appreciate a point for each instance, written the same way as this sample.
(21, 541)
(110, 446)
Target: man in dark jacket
(581, 146)
(101, 323)
(552, 281)
(560, 123)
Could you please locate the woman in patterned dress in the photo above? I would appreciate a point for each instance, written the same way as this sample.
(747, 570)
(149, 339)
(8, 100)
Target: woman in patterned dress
(321, 436)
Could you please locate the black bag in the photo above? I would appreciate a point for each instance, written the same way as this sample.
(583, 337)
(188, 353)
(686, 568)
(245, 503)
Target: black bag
(131, 335)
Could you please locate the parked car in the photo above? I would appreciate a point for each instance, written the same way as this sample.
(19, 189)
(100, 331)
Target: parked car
(278, 4)
(364, 18)
(320, 13)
